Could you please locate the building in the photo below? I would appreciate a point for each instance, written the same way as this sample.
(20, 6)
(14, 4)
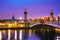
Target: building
(59, 18)
(25, 18)
(51, 15)
(13, 18)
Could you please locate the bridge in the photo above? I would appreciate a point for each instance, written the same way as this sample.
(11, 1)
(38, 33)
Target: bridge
(47, 23)
(48, 28)
(30, 26)
(43, 27)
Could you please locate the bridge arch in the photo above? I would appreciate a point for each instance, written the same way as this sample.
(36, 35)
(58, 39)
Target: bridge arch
(46, 24)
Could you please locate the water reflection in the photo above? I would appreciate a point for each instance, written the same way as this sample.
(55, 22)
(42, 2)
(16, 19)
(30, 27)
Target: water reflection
(0, 35)
(15, 34)
(20, 35)
(30, 34)
(57, 37)
(8, 34)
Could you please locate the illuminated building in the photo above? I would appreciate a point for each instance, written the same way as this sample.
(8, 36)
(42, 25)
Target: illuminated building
(45, 19)
(11, 22)
(48, 18)
(59, 19)
(51, 15)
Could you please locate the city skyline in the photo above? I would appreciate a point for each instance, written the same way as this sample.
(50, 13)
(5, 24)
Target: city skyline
(33, 17)
(35, 8)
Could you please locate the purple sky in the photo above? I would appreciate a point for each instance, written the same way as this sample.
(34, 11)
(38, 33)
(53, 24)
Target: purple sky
(35, 8)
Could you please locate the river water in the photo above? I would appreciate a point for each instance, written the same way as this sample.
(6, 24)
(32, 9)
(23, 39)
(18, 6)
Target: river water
(30, 34)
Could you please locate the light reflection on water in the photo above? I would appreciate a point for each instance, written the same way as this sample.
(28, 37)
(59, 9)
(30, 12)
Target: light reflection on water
(30, 32)
(30, 35)
(0, 36)
(20, 35)
(15, 34)
(33, 37)
(8, 34)
(57, 37)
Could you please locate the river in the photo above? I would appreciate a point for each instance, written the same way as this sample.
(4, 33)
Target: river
(29, 34)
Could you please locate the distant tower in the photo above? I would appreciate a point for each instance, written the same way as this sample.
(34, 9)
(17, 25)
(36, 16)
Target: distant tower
(25, 17)
(13, 17)
(51, 15)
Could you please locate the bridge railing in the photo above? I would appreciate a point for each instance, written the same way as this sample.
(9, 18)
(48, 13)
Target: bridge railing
(32, 24)
(55, 24)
